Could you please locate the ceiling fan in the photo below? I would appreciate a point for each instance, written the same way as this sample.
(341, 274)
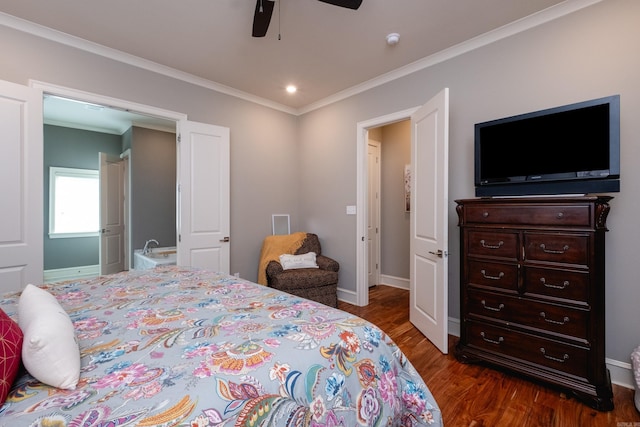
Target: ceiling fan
(264, 10)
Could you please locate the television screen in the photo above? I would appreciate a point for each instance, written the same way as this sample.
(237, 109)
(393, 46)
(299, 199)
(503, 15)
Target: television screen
(563, 150)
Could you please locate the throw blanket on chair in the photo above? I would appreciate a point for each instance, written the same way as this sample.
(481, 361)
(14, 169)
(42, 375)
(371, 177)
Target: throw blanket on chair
(274, 246)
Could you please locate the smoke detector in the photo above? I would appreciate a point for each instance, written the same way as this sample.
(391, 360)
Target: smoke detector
(393, 39)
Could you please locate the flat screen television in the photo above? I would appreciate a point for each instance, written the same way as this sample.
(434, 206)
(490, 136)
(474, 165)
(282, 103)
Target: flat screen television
(572, 149)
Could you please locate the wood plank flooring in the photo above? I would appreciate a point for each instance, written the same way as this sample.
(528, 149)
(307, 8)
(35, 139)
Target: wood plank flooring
(479, 396)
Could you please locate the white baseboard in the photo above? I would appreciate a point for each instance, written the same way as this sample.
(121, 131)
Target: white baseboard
(393, 281)
(71, 273)
(347, 296)
(621, 373)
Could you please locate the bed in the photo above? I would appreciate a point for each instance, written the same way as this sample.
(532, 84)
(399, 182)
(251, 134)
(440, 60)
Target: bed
(177, 346)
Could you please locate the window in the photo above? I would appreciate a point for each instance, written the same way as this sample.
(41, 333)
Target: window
(74, 202)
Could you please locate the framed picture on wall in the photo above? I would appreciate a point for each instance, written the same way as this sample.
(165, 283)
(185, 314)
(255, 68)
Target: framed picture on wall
(407, 188)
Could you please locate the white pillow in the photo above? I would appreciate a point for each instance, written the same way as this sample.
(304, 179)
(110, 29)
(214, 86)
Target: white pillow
(307, 260)
(50, 351)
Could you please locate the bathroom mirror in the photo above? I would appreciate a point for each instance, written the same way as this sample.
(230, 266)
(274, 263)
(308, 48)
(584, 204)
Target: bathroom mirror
(280, 224)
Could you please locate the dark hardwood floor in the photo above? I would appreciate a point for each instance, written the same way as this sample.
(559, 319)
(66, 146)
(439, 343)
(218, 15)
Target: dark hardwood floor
(478, 396)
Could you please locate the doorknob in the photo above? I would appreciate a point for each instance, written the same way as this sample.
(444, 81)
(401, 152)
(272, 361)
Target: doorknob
(439, 253)
(226, 239)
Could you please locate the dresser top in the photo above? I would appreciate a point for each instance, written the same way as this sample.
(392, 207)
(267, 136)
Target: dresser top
(539, 200)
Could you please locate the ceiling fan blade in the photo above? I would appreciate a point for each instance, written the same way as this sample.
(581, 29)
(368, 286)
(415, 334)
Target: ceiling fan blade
(262, 17)
(350, 4)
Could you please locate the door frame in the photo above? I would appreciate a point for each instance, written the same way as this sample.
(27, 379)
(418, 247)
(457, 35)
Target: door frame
(93, 98)
(361, 297)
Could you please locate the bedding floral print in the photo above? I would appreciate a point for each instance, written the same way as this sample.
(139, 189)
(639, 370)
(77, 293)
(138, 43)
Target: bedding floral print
(187, 347)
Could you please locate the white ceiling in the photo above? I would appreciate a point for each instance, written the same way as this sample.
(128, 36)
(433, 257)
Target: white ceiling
(322, 49)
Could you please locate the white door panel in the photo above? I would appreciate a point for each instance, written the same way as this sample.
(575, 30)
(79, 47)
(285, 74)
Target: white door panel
(21, 184)
(373, 214)
(204, 196)
(111, 214)
(429, 220)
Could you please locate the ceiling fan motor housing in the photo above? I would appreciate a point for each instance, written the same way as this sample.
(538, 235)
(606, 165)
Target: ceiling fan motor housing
(264, 10)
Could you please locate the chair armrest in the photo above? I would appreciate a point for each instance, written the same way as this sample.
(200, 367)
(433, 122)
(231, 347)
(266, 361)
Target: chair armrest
(273, 268)
(326, 263)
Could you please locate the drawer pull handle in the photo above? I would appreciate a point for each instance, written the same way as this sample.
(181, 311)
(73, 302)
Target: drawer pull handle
(555, 322)
(498, 341)
(564, 249)
(488, 246)
(486, 276)
(499, 308)
(485, 214)
(564, 285)
(560, 215)
(565, 357)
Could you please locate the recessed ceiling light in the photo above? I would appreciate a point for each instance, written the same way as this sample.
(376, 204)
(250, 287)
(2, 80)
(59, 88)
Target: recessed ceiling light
(291, 89)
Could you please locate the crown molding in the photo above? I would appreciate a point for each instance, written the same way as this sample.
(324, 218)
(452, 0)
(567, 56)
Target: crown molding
(531, 21)
(554, 12)
(117, 55)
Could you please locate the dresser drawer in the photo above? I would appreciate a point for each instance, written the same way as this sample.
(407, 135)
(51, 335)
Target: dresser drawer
(555, 283)
(546, 353)
(558, 248)
(558, 319)
(493, 274)
(548, 215)
(496, 244)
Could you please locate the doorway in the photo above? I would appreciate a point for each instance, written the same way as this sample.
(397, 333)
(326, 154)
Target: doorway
(80, 112)
(388, 216)
(362, 273)
(428, 214)
(201, 146)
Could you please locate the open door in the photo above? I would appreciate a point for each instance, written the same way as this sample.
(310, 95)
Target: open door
(21, 183)
(429, 219)
(373, 213)
(112, 235)
(204, 196)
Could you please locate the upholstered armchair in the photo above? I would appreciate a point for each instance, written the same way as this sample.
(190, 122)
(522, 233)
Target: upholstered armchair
(318, 284)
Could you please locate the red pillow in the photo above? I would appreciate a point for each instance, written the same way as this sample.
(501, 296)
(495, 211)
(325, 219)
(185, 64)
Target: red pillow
(10, 351)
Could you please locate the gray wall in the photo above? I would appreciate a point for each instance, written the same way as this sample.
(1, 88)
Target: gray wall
(395, 153)
(306, 165)
(72, 148)
(588, 54)
(394, 232)
(153, 186)
(264, 151)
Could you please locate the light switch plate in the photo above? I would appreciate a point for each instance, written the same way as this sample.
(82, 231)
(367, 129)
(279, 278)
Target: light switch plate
(351, 210)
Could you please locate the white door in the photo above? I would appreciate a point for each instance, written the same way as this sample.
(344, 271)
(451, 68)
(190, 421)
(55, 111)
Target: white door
(429, 209)
(111, 214)
(204, 196)
(21, 184)
(373, 213)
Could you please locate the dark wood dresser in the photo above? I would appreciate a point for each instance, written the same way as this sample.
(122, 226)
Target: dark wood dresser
(532, 290)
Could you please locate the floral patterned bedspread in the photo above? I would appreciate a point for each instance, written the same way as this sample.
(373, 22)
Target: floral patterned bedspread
(186, 347)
